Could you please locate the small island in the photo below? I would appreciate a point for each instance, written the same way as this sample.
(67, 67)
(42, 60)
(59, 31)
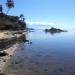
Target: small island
(53, 30)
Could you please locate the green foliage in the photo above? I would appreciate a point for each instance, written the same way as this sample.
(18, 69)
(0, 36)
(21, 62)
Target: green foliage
(22, 17)
(10, 3)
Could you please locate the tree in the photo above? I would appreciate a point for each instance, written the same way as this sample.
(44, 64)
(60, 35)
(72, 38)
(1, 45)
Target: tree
(22, 17)
(10, 4)
(1, 9)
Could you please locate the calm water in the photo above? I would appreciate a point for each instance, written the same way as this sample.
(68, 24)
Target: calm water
(46, 54)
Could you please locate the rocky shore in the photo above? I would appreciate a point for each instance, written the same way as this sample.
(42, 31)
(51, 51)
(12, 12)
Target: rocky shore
(9, 42)
(12, 31)
(5, 59)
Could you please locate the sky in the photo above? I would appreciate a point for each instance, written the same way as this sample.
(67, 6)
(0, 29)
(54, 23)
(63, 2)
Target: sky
(54, 12)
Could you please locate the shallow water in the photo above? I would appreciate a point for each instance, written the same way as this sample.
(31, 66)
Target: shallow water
(45, 54)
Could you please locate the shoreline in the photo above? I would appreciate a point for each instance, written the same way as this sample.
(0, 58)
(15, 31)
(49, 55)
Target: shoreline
(8, 38)
(4, 60)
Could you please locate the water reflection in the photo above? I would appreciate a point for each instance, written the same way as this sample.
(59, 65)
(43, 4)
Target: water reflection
(52, 33)
(46, 55)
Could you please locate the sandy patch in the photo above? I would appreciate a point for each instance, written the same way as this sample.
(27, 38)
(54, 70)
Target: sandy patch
(4, 60)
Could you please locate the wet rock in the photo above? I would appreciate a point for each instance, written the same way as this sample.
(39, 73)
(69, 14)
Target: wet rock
(30, 42)
(10, 55)
(27, 40)
(4, 60)
(2, 74)
(16, 62)
(3, 53)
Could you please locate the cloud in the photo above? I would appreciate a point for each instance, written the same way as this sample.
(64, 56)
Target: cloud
(49, 24)
(38, 23)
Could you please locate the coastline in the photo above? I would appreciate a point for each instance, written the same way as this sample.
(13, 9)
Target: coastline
(4, 60)
(12, 32)
(12, 44)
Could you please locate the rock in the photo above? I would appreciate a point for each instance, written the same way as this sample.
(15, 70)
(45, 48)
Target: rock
(2, 74)
(3, 53)
(4, 60)
(54, 30)
(16, 62)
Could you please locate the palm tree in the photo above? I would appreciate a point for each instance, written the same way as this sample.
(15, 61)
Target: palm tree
(1, 9)
(10, 4)
(22, 17)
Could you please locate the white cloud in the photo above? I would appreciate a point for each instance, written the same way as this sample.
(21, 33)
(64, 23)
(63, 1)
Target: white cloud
(49, 24)
(38, 23)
